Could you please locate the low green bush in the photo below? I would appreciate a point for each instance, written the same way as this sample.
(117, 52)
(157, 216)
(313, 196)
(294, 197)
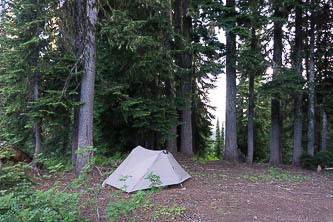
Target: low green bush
(21, 201)
(324, 159)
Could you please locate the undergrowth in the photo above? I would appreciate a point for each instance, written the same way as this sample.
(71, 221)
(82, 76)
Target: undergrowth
(275, 174)
(21, 201)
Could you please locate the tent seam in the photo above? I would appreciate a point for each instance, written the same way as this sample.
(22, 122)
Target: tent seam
(145, 173)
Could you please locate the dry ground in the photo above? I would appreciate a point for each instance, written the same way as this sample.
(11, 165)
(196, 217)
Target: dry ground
(222, 191)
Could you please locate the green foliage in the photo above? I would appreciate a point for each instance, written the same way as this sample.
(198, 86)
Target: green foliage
(219, 140)
(275, 174)
(121, 207)
(167, 213)
(28, 205)
(34, 47)
(13, 178)
(154, 179)
(20, 201)
(324, 159)
(217, 145)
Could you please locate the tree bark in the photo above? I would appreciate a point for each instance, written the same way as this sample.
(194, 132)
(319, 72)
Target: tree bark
(79, 42)
(323, 132)
(250, 124)
(75, 135)
(37, 124)
(85, 135)
(66, 131)
(38, 136)
(186, 145)
(171, 143)
(231, 152)
(311, 111)
(297, 152)
(275, 141)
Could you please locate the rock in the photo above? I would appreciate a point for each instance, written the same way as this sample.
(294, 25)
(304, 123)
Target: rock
(319, 168)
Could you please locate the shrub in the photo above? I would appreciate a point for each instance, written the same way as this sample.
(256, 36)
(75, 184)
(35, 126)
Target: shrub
(20, 201)
(324, 159)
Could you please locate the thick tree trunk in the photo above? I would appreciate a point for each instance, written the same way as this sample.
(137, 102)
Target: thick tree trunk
(186, 128)
(250, 124)
(66, 131)
(171, 143)
(311, 111)
(323, 132)
(231, 152)
(186, 145)
(298, 125)
(275, 141)
(80, 17)
(75, 136)
(38, 140)
(275, 132)
(297, 152)
(85, 139)
(281, 132)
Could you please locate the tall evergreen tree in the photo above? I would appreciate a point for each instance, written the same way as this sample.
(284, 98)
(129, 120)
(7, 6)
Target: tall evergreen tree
(85, 133)
(222, 138)
(297, 150)
(275, 142)
(218, 141)
(311, 85)
(231, 152)
(186, 145)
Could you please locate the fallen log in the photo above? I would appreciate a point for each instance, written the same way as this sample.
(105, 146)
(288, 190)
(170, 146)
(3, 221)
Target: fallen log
(15, 155)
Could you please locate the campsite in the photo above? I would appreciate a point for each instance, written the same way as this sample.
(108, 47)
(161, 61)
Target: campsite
(166, 110)
(218, 191)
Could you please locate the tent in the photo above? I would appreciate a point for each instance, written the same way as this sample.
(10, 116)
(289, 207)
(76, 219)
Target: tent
(131, 175)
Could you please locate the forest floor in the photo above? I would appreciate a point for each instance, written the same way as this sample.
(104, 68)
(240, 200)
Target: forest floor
(217, 191)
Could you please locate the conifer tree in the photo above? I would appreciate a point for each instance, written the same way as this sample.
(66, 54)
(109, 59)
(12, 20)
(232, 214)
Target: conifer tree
(23, 61)
(218, 141)
(231, 152)
(311, 83)
(297, 149)
(276, 127)
(222, 139)
(85, 132)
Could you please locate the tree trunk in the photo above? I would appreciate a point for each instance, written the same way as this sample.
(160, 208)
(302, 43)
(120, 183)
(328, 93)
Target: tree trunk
(250, 124)
(80, 17)
(186, 145)
(85, 136)
(275, 141)
(37, 125)
(231, 130)
(75, 136)
(311, 111)
(38, 136)
(281, 131)
(297, 152)
(172, 141)
(66, 131)
(323, 132)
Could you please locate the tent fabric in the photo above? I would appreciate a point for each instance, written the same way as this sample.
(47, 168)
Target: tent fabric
(131, 174)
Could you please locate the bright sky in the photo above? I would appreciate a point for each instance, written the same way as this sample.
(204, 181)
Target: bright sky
(218, 95)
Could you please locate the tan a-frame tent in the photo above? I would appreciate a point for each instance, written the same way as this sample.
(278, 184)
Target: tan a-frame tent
(132, 173)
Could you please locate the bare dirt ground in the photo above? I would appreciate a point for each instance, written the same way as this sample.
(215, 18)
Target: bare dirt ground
(221, 191)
